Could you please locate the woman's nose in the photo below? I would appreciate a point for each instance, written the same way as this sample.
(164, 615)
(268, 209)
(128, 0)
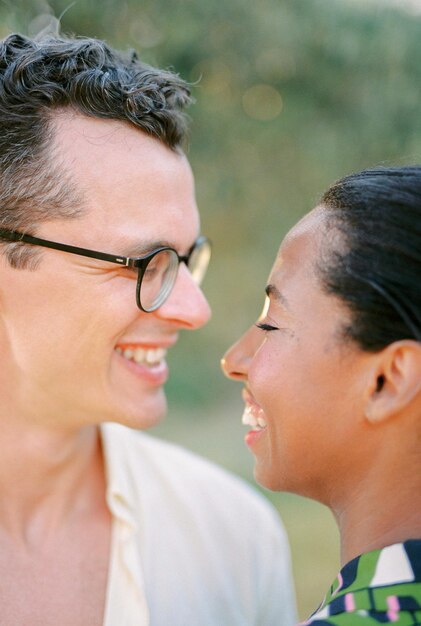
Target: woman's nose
(236, 361)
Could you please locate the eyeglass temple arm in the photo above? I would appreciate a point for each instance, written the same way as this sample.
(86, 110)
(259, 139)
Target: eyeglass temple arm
(14, 235)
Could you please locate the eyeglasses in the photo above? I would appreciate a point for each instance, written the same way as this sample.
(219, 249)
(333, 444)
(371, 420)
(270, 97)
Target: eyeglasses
(156, 271)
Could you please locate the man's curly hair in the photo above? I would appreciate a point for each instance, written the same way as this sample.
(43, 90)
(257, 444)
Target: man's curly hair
(41, 77)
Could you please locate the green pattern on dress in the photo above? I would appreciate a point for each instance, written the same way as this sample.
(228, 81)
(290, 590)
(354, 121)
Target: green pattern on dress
(379, 587)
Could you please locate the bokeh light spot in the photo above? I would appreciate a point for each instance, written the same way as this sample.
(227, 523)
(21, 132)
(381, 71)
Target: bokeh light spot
(145, 33)
(262, 102)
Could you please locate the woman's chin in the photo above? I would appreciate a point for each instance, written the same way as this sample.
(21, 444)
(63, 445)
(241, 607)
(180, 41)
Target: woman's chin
(268, 478)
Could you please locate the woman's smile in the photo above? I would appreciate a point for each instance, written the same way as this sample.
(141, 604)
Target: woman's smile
(253, 416)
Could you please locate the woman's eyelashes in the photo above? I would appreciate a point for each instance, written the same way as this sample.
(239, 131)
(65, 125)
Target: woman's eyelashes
(266, 327)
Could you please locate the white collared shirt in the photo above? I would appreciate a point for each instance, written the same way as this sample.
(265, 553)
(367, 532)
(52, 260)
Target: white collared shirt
(191, 544)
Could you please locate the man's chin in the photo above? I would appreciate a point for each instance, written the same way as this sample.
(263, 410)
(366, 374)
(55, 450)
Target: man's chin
(146, 414)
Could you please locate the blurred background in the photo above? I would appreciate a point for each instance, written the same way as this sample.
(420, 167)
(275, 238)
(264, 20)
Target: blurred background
(290, 95)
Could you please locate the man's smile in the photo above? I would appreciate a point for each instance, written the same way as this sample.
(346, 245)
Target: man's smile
(141, 354)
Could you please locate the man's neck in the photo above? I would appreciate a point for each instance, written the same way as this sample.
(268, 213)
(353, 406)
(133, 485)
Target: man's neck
(47, 478)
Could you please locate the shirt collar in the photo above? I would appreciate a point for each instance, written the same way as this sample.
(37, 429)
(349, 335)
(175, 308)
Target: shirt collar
(119, 491)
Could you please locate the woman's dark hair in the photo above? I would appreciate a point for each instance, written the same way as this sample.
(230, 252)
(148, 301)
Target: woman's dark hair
(39, 78)
(376, 266)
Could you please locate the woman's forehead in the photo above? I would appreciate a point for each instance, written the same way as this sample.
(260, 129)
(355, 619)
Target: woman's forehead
(312, 223)
(301, 244)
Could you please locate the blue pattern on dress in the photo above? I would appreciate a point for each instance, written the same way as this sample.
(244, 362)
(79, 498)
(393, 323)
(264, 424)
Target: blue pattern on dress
(349, 573)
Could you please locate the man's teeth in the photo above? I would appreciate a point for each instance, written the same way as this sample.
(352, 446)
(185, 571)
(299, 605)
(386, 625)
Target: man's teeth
(249, 419)
(150, 356)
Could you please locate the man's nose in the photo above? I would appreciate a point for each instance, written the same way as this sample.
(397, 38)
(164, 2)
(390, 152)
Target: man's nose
(236, 361)
(186, 305)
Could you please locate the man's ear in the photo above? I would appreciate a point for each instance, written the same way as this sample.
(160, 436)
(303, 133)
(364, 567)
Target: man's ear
(395, 381)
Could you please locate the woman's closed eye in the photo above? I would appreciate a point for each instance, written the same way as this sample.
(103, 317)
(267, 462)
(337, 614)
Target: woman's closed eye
(266, 327)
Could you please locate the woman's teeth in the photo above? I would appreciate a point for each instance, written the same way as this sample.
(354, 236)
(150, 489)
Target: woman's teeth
(251, 419)
(151, 356)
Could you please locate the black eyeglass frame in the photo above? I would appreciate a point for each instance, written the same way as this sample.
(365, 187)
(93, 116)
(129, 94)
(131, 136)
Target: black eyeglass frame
(140, 263)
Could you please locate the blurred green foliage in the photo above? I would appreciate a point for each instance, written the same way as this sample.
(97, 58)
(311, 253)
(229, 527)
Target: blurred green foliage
(291, 94)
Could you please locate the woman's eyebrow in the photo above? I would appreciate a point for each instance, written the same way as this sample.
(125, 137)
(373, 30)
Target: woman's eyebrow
(273, 292)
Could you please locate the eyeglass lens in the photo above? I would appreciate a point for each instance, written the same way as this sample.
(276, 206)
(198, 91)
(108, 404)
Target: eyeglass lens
(158, 279)
(199, 261)
(161, 273)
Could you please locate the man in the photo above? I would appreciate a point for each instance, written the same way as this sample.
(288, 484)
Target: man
(99, 271)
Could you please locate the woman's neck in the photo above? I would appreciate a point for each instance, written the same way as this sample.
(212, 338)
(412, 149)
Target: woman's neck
(384, 508)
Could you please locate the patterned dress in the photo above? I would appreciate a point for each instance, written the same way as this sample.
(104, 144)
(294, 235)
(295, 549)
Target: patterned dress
(379, 587)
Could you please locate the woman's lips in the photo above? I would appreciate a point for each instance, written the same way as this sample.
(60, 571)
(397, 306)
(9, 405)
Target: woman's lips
(253, 436)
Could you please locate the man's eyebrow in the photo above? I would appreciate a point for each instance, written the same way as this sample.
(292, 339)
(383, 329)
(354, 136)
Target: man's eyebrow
(273, 291)
(141, 248)
(144, 247)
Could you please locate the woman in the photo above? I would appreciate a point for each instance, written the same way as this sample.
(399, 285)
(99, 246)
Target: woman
(332, 386)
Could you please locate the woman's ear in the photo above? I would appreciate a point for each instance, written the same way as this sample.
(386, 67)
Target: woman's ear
(395, 381)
